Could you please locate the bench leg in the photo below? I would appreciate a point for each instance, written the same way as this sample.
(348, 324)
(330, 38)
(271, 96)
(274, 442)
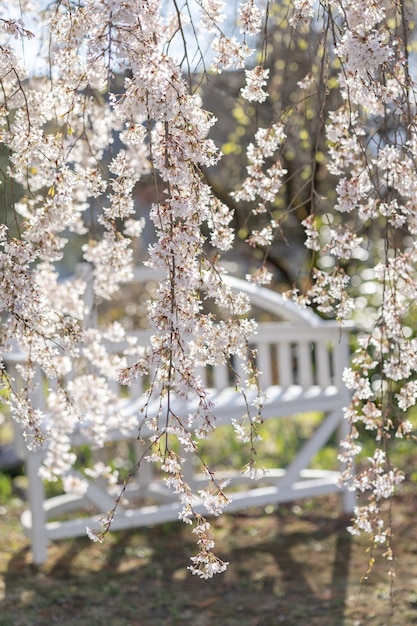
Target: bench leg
(349, 496)
(349, 501)
(36, 497)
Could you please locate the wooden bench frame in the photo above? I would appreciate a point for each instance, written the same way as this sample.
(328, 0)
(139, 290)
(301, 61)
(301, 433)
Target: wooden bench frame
(305, 346)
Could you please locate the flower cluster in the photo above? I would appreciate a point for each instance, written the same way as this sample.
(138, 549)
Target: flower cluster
(256, 79)
(251, 18)
(376, 182)
(113, 107)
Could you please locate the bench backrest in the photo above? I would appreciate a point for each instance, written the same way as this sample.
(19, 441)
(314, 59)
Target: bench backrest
(296, 348)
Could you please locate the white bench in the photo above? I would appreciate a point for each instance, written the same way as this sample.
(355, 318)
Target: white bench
(301, 359)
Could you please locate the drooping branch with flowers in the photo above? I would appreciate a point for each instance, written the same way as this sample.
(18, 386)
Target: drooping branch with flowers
(115, 98)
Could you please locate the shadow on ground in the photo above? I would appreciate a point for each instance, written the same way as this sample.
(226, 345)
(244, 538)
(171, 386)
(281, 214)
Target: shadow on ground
(296, 566)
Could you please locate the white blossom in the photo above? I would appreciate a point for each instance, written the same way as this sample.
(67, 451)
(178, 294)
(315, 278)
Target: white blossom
(256, 79)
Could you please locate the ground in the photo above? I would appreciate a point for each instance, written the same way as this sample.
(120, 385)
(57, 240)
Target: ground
(295, 566)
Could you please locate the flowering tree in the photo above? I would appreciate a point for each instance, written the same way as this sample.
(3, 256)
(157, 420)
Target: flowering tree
(72, 138)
